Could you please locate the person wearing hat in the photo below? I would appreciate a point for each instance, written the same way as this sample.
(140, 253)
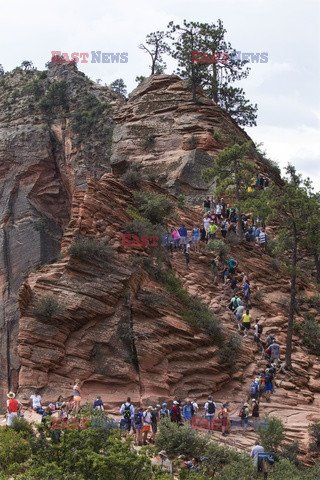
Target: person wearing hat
(13, 406)
(164, 411)
(244, 414)
(146, 424)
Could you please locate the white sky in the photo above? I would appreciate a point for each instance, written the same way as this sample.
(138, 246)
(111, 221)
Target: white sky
(286, 88)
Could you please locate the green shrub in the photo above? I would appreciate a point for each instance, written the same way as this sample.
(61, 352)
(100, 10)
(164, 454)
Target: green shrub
(314, 301)
(55, 97)
(275, 264)
(180, 440)
(47, 307)
(311, 334)
(132, 177)
(259, 295)
(291, 451)
(148, 141)
(272, 436)
(297, 327)
(218, 246)
(181, 199)
(314, 430)
(217, 135)
(91, 249)
(13, 450)
(85, 120)
(233, 239)
(154, 206)
(21, 426)
(41, 225)
(193, 141)
(153, 298)
(228, 352)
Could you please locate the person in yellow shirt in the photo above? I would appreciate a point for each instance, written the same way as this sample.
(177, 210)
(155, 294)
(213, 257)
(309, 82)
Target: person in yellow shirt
(212, 230)
(246, 322)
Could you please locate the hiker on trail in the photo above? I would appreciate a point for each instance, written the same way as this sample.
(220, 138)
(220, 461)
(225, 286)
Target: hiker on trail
(271, 371)
(257, 233)
(146, 424)
(255, 408)
(233, 216)
(232, 264)
(270, 339)
(274, 352)
(212, 230)
(35, 401)
(155, 417)
(127, 412)
(213, 203)
(195, 238)
(138, 423)
(214, 218)
(246, 291)
(252, 232)
(98, 404)
(224, 228)
(257, 331)
(268, 386)
(187, 411)
(203, 234)
(223, 207)
(195, 407)
(206, 205)
(77, 395)
(210, 409)
(218, 211)
(215, 269)
(234, 303)
(254, 391)
(224, 416)
(13, 407)
(262, 239)
(169, 243)
(234, 285)
(246, 322)
(176, 238)
(225, 272)
(239, 311)
(255, 452)
(175, 413)
(164, 411)
(183, 236)
(206, 224)
(244, 415)
(187, 254)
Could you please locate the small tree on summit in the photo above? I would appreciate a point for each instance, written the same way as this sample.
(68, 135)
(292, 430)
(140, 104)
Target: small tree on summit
(119, 87)
(1, 70)
(157, 46)
(27, 65)
(232, 171)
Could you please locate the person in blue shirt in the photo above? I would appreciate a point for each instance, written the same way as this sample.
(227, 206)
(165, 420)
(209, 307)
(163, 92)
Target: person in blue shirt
(98, 403)
(187, 411)
(232, 265)
(183, 236)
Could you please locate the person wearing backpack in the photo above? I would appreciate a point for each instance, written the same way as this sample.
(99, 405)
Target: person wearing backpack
(224, 416)
(268, 386)
(210, 409)
(244, 415)
(164, 411)
(138, 421)
(127, 412)
(234, 303)
(254, 391)
(175, 414)
(13, 407)
(255, 408)
(154, 422)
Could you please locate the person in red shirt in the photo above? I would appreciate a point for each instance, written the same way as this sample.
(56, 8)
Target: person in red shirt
(13, 406)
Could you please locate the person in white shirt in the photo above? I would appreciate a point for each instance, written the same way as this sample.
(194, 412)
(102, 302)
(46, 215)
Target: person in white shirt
(255, 452)
(195, 407)
(146, 424)
(35, 400)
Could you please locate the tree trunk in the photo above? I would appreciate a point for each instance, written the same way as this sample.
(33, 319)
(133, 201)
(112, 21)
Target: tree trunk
(292, 298)
(237, 182)
(317, 264)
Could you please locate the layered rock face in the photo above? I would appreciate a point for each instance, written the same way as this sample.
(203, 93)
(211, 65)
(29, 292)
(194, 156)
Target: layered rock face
(163, 131)
(44, 160)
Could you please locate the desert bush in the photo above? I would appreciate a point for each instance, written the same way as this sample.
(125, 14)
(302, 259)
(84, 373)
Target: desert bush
(85, 120)
(272, 436)
(147, 141)
(314, 301)
(193, 141)
(217, 135)
(229, 351)
(218, 246)
(259, 295)
(291, 451)
(90, 249)
(154, 206)
(181, 200)
(297, 327)
(311, 334)
(21, 426)
(275, 264)
(132, 177)
(47, 307)
(314, 430)
(14, 450)
(55, 97)
(153, 298)
(180, 440)
(232, 238)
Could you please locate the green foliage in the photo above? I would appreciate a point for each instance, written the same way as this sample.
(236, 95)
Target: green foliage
(217, 135)
(232, 99)
(47, 307)
(154, 299)
(259, 295)
(157, 46)
(241, 468)
(140, 79)
(154, 206)
(311, 334)
(1, 70)
(193, 141)
(34, 88)
(147, 141)
(91, 249)
(180, 440)
(88, 118)
(291, 451)
(55, 97)
(119, 86)
(26, 65)
(41, 225)
(218, 246)
(275, 264)
(195, 312)
(14, 450)
(272, 436)
(132, 177)
(181, 200)
(21, 426)
(228, 352)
